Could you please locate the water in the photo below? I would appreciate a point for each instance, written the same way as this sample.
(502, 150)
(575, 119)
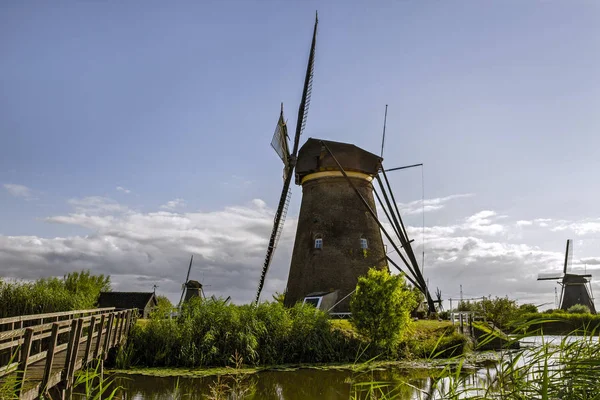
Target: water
(414, 383)
(301, 384)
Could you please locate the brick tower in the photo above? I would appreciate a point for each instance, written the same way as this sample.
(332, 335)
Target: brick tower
(337, 239)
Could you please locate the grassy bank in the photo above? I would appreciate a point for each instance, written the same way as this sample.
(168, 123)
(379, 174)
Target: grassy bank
(558, 323)
(212, 334)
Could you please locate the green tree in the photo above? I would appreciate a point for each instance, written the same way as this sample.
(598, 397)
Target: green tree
(528, 308)
(163, 308)
(500, 311)
(381, 307)
(467, 306)
(86, 287)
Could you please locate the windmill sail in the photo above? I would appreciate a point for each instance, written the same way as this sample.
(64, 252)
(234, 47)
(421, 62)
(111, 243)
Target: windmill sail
(284, 199)
(568, 255)
(187, 278)
(280, 140)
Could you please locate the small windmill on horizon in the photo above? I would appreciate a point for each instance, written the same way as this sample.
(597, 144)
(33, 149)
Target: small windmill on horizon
(576, 288)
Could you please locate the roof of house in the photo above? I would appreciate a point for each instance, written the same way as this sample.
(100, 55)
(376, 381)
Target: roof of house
(126, 299)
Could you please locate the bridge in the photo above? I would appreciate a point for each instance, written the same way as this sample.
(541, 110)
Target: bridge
(39, 354)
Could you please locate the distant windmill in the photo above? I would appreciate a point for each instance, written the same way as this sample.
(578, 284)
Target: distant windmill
(190, 288)
(576, 288)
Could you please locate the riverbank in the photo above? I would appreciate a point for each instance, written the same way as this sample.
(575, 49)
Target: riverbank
(468, 362)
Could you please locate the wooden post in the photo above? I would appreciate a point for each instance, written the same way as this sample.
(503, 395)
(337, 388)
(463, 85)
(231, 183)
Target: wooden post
(115, 329)
(22, 369)
(121, 328)
(90, 339)
(128, 324)
(72, 332)
(111, 318)
(49, 358)
(74, 353)
(99, 338)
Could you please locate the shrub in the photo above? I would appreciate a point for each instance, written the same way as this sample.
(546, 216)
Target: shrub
(381, 307)
(578, 309)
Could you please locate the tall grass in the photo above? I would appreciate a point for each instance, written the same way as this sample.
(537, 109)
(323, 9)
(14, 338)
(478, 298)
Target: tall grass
(75, 291)
(208, 333)
(566, 368)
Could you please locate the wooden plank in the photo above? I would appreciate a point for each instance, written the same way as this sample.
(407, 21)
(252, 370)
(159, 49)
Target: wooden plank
(37, 329)
(22, 318)
(118, 330)
(22, 370)
(70, 347)
(74, 354)
(99, 340)
(128, 323)
(90, 337)
(111, 318)
(50, 357)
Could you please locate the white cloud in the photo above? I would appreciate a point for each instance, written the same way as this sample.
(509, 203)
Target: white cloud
(139, 249)
(429, 205)
(481, 223)
(19, 190)
(123, 190)
(173, 204)
(580, 228)
(524, 223)
(96, 205)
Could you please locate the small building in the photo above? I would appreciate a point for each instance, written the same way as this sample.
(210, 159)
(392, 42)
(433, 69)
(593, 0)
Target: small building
(145, 302)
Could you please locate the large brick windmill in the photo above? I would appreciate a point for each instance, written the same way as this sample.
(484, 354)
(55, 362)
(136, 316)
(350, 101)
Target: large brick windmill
(339, 236)
(576, 288)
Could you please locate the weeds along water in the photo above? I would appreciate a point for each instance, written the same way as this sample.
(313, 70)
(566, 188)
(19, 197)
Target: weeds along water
(549, 367)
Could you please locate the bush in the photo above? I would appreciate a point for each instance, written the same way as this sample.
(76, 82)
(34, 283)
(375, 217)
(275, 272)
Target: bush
(381, 307)
(578, 309)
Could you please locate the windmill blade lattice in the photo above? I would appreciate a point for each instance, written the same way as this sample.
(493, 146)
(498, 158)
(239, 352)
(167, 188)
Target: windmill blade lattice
(284, 199)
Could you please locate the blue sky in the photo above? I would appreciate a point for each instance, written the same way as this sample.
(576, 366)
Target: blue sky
(498, 99)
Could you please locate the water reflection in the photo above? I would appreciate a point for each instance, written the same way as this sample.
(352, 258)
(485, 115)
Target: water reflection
(303, 384)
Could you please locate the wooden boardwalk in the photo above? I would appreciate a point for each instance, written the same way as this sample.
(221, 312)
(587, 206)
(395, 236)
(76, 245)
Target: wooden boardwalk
(41, 352)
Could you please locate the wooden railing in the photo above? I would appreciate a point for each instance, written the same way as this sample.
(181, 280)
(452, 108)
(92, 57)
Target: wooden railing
(44, 350)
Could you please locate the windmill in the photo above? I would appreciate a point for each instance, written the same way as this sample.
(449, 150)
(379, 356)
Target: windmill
(190, 288)
(576, 288)
(339, 235)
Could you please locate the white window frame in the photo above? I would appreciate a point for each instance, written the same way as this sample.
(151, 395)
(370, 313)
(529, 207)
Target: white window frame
(312, 298)
(318, 243)
(364, 243)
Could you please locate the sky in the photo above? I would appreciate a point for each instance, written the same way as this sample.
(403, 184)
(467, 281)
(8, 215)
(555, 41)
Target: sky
(133, 135)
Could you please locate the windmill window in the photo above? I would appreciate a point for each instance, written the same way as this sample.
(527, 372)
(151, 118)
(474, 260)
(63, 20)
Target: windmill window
(315, 301)
(364, 244)
(318, 243)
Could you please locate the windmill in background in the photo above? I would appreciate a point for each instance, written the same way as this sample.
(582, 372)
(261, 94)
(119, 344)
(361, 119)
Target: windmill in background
(190, 288)
(576, 288)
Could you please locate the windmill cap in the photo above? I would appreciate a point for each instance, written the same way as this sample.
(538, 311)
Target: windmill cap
(313, 157)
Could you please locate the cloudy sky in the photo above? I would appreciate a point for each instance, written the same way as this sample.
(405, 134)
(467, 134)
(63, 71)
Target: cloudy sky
(134, 135)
